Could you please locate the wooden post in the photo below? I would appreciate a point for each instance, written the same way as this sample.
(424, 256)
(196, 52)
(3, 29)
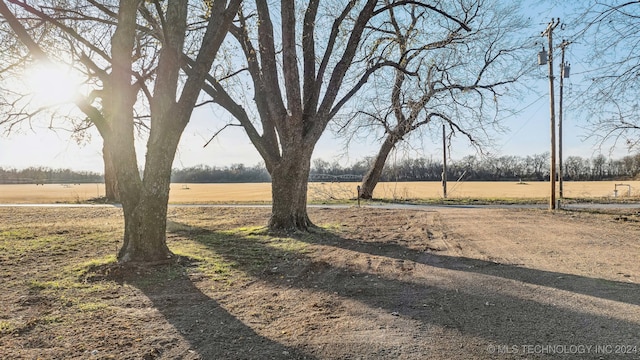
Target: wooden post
(552, 171)
(563, 45)
(444, 163)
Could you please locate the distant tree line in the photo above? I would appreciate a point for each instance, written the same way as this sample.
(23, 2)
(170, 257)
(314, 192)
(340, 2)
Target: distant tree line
(44, 175)
(503, 168)
(469, 168)
(236, 173)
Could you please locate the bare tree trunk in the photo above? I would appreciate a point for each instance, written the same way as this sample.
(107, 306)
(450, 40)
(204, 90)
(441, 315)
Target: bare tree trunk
(145, 230)
(289, 181)
(144, 200)
(144, 234)
(145, 213)
(110, 180)
(372, 176)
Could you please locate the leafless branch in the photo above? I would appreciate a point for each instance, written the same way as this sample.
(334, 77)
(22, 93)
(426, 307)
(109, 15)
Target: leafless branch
(218, 132)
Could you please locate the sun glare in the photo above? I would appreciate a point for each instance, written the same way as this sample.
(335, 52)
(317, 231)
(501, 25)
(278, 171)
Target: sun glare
(51, 84)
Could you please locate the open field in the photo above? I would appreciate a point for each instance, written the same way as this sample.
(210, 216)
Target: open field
(368, 284)
(261, 192)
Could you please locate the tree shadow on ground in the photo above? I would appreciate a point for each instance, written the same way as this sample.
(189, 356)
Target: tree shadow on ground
(498, 316)
(211, 331)
(605, 289)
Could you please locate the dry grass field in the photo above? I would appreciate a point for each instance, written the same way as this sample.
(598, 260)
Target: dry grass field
(261, 192)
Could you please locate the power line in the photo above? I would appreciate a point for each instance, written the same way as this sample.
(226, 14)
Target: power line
(525, 123)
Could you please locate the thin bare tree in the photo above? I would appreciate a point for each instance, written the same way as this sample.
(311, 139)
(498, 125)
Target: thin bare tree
(447, 75)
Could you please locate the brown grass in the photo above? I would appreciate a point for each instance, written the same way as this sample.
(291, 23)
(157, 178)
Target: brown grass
(261, 192)
(449, 283)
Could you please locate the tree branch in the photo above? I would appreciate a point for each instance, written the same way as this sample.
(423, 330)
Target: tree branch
(218, 132)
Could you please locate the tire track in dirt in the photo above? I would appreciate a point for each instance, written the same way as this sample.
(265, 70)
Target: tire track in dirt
(570, 243)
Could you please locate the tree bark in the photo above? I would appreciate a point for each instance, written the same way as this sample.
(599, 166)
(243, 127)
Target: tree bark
(144, 234)
(146, 216)
(289, 179)
(110, 180)
(145, 228)
(372, 176)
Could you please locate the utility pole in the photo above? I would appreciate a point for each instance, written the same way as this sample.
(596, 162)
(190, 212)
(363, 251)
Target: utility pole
(444, 163)
(564, 73)
(548, 32)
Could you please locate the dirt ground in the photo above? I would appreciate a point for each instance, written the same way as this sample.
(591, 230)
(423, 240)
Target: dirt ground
(369, 283)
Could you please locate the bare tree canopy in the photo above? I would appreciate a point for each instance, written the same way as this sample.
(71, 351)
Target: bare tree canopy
(611, 30)
(142, 54)
(303, 63)
(447, 75)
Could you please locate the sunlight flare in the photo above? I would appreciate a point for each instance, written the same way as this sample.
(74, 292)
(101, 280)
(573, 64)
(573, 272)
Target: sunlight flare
(51, 84)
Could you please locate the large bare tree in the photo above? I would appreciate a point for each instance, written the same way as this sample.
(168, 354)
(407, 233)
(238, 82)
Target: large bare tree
(447, 75)
(305, 61)
(120, 66)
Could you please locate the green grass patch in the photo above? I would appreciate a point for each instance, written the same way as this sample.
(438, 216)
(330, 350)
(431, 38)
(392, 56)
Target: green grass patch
(72, 276)
(18, 242)
(67, 285)
(37, 285)
(238, 254)
(7, 327)
(82, 269)
(50, 319)
(205, 260)
(17, 234)
(248, 231)
(91, 306)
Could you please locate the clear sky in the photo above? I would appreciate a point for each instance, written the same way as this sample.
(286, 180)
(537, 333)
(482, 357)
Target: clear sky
(526, 134)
